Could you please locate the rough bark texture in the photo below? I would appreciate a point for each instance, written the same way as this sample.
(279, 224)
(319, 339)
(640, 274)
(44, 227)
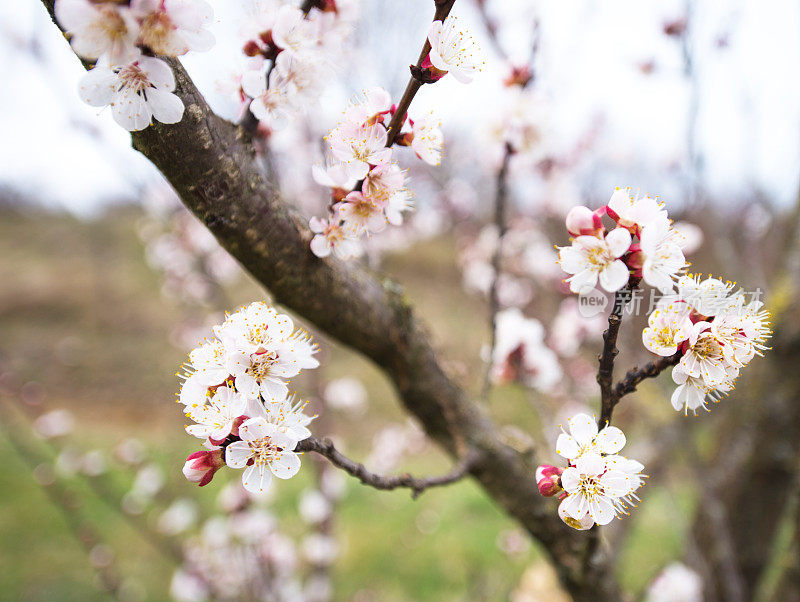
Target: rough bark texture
(212, 166)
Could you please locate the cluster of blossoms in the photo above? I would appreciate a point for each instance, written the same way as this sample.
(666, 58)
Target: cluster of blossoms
(714, 330)
(123, 37)
(288, 54)
(235, 392)
(368, 189)
(614, 257)
(598, 484)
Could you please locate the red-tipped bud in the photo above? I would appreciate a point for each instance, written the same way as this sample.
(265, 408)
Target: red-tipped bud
(404, 139)
(201, 466)
(548, 479)
(581, 221)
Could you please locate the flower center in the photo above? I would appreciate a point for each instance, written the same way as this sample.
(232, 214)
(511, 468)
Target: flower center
(264, 451)
(261, 364)
(134, 78)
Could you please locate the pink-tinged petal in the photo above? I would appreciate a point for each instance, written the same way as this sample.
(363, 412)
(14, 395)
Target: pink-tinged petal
(610, 440)
(583, 428)
(319, 246)
(614, 276)
(256, 478)
(166, 107)
(618, 241)
(286, 465)
(566, 447)
(237, 454)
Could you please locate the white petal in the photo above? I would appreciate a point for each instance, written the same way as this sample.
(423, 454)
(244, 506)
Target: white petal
(256, 478)
(583, 428)
(158, 73)
(237, 454)
(566, 447)
(166, 107)
(614, 276)
(97, 87)
(286, 465)
(131, 111)
(618, 241)
(610, 440)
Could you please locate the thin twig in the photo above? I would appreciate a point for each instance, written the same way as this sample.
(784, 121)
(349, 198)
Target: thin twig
(636, 375)
(326, 448)
(501, 225)
(443, 8)
(605, 370)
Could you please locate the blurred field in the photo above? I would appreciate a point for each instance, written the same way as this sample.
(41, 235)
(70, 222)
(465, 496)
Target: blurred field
(84, 327)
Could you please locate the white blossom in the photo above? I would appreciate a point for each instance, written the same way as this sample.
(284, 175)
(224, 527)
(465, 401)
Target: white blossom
(270, 449)
(215, 419)
(663, 256)
(359, 147)
(584, 438)
(330, 236)
(593, 489)
(590, 259)
(99, 29)
(137, 92)
(454, 50)
(631, 211)
(428, 139)
(174, 27)
(668, 327)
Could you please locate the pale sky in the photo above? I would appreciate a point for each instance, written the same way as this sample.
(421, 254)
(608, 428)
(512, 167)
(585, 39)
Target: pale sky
(73, 156)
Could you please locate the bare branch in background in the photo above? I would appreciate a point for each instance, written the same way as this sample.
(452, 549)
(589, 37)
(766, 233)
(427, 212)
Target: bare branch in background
(417, 485)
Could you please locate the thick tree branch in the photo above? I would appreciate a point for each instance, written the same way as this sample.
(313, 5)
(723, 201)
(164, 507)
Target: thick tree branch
(211, 165)
(417, 485)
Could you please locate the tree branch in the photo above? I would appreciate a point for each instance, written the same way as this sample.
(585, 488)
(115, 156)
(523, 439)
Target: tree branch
(443, 8)
(605, 370)
(211, 165)
(417, 485)
(636, 375)
(501, 224)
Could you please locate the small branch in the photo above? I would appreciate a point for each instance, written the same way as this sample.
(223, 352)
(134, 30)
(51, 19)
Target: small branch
(636, 375)
(443, 8)
(417, 485)
(501, 224)
(605, 371)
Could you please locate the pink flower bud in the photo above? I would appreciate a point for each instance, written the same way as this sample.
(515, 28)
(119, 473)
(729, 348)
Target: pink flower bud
(548, 478)
(201, 466)
(580, 221)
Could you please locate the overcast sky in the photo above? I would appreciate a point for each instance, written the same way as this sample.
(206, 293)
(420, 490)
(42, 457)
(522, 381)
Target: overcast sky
(748, 57)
